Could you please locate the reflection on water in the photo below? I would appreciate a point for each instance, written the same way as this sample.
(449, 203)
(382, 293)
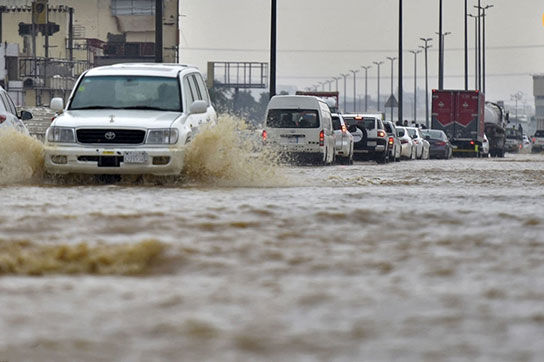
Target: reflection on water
(412, 261)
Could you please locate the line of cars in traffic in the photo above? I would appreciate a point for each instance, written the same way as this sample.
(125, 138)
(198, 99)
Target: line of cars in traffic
(306, 130)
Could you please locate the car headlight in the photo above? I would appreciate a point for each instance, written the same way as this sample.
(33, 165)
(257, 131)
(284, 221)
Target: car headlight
(162, 136)
(61, 135)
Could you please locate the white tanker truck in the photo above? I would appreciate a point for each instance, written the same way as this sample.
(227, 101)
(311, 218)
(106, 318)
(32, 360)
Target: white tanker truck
(495, 123)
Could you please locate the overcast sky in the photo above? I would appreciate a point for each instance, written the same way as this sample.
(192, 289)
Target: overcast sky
(319, 39)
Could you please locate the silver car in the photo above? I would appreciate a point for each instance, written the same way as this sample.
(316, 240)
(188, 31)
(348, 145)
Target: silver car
(343, 147)
(8, 114)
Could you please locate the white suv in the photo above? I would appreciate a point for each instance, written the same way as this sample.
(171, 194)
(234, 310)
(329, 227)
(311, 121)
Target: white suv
(128, 119)
(369, 136)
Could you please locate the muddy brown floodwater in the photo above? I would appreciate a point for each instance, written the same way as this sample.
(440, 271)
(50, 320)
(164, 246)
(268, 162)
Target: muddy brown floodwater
(412, 261)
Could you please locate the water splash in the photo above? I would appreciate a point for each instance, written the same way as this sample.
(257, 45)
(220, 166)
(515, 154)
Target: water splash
(228, 154)
(28, 258)
(21, 157)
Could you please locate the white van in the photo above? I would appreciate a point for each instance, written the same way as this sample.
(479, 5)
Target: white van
(301, 126)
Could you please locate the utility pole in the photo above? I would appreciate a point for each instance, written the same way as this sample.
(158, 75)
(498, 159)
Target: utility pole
(378, 65)
(440, 50)
(273, 25)
(426, 47)
(366, 68)
(345, 91)
(158, 31)
(392, 60)
(415, 52)
(354, 90)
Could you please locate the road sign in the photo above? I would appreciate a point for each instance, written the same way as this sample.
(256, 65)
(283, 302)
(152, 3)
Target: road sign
(391, 102)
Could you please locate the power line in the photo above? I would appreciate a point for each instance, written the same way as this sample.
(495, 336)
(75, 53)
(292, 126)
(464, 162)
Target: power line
(495, 75)
(496, 47)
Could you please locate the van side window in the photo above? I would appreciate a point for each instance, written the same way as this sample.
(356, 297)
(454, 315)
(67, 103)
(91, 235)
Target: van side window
(189, 91)
(202, 86)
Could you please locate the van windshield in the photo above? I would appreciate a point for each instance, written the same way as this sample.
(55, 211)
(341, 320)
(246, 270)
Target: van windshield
(127, 92)
(292, 118)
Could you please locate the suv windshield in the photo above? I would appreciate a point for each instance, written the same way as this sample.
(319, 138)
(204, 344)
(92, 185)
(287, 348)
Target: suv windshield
(292, 118)
(368, 123)
(127, 92)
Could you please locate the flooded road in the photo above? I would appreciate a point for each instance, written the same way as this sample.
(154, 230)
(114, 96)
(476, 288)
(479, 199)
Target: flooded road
(413, 261)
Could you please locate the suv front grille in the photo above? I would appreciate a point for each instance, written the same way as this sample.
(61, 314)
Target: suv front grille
(110, 136)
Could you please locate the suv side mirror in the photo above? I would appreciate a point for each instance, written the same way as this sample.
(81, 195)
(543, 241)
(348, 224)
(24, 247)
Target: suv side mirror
(26, 115)
(57, 104)
(427, 137)
(198, 107)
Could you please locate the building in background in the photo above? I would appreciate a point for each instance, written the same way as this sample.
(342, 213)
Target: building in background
(538, 91)
(69, 36)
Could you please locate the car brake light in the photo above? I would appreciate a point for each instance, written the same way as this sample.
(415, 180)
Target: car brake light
(403, 141)
(358, 118)
(472, 143)
(381, 133)
(520, 147)
(442, 143)
(264, 135)
(344, 128)
(391, 140)
(322, 138)
(2, 118)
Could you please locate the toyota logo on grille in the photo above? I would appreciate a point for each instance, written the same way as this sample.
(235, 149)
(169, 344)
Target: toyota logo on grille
(109, 135)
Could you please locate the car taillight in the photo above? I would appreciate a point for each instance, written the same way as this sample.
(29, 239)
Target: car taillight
(2, 118)
(403, 142)
(391, 140)
(322, 138)
(344, 129)
(472, 143)
(442, 143)
(264, 135)
(381, 133)
(520, 147)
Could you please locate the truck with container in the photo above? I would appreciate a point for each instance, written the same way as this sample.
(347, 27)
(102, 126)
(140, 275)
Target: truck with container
(495, 120)
(460, 114)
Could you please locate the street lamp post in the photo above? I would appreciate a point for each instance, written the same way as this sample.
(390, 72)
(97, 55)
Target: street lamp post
(273, 27)
(479, 7)
(441, 72)
(378, 65)
(336, 79)
(354, 90)
(466, 45)
(483, 45)
(366, 68)
(440, 49)
(392, 60)
(475, 50)
(345, 95)
(400, 87)
(426, 47)
(415, 52)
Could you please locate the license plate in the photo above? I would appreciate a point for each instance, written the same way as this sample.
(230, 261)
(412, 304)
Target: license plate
(371, 143)
(135, 157)
(293, 139)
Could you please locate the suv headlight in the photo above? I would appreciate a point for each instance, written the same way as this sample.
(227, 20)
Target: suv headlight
(162, 136)
(61, 135)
